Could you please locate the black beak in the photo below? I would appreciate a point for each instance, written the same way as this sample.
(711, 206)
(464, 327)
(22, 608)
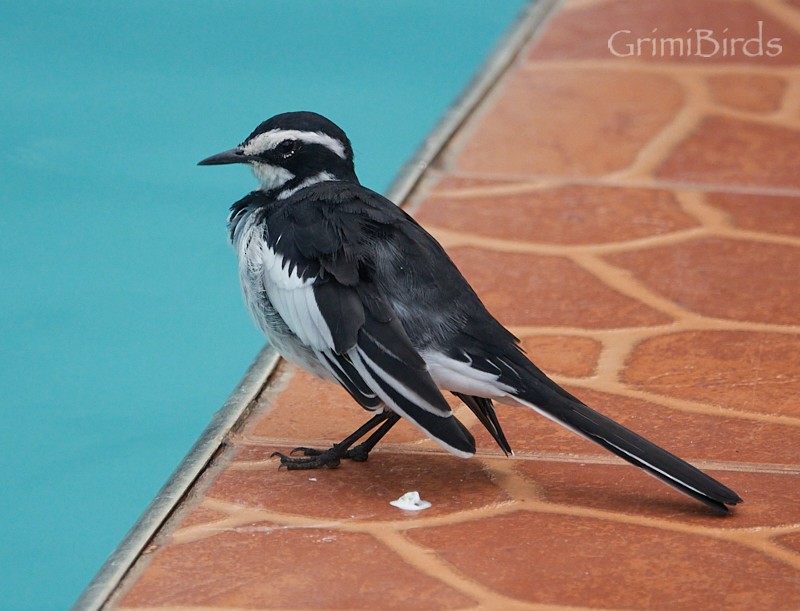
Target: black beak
(232, 156)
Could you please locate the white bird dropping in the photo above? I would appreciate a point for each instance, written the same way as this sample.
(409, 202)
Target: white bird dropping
(410, 501)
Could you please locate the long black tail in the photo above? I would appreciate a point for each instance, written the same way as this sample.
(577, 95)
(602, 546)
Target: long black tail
(568, 411)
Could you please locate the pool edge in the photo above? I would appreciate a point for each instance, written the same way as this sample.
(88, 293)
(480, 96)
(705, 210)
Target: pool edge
(233, 411)
(490, 71)
(111, 574)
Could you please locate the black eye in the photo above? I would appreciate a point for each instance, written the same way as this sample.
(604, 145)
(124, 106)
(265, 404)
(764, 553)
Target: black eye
(287, 148)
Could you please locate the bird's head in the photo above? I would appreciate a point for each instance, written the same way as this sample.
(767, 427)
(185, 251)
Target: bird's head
(293, 150)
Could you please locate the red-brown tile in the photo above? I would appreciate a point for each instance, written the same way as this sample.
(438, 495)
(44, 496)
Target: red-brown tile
(725, 151)
(527, 289)
(309, 411)
(770, 500)
(266, 566)
(563, 354)
(750, 371)
(748, 92)
(769, 213)
(200, 515)
(571, 122)
(445, 184)
(692, 436)
(588, 562)
(562, 215)
(584, 32)
(734, 279)
(632, 543)
(362, 491)
(791, 541)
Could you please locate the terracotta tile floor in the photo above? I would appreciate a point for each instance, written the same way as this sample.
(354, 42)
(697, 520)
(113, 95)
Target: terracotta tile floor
(636, 221)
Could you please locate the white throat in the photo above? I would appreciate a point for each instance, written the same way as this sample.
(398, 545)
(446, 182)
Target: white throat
(270, 176)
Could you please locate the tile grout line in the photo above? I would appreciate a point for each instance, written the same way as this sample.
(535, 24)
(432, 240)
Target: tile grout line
(427, 562)
(529, 456)
(99, 591)
(506, 51)
(756, 538)
(535, 182)
(454, 239)
(524, 496)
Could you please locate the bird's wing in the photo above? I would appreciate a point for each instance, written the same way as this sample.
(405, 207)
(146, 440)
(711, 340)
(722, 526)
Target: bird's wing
(317, 264)
(478, 357)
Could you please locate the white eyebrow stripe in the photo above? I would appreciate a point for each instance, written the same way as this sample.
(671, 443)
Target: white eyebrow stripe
(271, 139)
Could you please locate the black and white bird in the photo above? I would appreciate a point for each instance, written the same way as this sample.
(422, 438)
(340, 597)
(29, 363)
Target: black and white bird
(349, 287)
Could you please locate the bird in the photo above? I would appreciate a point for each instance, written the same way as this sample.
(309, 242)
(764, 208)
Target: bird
(348, 286)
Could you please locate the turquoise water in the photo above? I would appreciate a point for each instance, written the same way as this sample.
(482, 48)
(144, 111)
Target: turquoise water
(121, 323)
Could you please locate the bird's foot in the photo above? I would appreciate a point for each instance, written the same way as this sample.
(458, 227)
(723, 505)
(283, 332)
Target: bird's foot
(316, 459)
(358, 453)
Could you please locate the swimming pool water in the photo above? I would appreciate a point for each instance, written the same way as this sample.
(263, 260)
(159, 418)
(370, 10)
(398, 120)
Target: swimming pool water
(122, 326)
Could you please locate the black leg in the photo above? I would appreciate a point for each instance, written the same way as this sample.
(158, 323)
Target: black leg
(314, 459)
(361, 452)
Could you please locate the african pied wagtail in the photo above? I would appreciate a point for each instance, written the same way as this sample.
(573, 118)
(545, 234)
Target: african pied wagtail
(349, 287)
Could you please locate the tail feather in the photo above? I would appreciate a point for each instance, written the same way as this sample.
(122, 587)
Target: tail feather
(484, 410)
(631, 447)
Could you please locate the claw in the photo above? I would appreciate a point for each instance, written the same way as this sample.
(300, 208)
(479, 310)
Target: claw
(315, 459)
(306, 451)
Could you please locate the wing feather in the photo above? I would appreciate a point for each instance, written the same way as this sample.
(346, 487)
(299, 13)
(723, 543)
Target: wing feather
(444, 429)
(342, 369)
(317, 274)
(293, 297)
(316, 318)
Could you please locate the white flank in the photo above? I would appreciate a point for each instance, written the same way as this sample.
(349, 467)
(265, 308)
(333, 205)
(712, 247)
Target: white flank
(264, 273)
(293, 298)
(459, 376)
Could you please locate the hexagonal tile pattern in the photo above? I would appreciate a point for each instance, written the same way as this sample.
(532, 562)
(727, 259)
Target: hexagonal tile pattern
(636, 222)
